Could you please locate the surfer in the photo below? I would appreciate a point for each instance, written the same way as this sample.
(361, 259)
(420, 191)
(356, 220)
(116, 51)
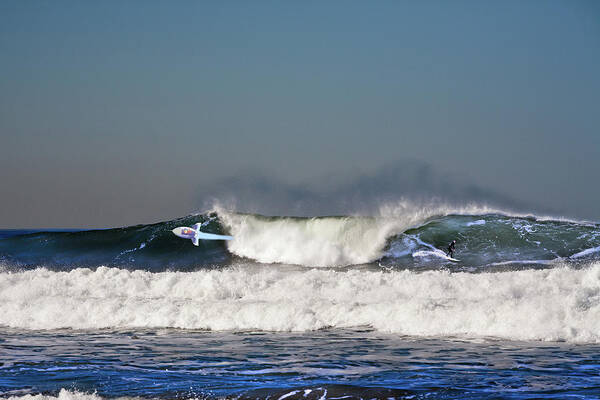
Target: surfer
(451, 249)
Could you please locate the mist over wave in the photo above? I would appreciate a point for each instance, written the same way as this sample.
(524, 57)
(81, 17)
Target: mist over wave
(403, 234)
(561, 303)
(400, 235)
(319, 242)
(411, 181)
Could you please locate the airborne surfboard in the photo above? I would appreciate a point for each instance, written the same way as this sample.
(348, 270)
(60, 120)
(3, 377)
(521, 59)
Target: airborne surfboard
(195, 234)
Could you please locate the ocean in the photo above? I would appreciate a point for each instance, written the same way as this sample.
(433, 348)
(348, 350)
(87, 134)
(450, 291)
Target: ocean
(337, 307)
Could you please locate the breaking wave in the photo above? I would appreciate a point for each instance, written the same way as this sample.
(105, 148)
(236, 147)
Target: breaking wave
(562, 303)
(402, 236)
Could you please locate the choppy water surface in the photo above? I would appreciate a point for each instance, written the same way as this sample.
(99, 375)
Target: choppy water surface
(305, 308)
(180, 363)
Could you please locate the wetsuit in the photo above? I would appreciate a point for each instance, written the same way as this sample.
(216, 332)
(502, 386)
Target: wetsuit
(451, 249)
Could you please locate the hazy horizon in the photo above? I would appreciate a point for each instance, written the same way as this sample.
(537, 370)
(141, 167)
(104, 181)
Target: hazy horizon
(119, 113)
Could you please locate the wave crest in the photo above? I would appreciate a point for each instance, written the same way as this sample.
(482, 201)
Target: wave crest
(394, 237)
(554, 304)
(317, 242)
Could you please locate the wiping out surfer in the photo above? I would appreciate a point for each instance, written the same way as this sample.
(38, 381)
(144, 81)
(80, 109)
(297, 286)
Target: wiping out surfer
(451, 248)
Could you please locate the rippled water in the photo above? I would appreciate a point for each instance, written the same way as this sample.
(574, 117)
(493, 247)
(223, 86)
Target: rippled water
(304, 308)
(177, 363)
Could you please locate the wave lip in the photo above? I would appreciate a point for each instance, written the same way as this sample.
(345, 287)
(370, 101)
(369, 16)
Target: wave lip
(152, 247)
(397, 236)
(586, 252)
(555, 304)
(327, 241)
(484, 236)
(316, 242)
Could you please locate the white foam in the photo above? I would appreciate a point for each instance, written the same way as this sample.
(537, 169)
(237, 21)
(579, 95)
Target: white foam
(478, 222)
(62, 395)
(317, 242)
(586, 252)
(512, 262)
(437, 253)
(402, 248)
(428, 253)
(329, 241)
(142, 245)
(552, 304)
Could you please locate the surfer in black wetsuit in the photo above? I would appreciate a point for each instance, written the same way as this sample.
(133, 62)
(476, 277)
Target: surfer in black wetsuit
(451, 249)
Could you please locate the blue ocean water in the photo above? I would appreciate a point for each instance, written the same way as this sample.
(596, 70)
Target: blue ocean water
(305, 308)
(196, 364)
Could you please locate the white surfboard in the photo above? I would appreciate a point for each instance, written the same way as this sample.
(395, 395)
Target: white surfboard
(195, 234)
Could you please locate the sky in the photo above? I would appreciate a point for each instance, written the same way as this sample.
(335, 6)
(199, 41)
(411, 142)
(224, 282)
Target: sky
(115, 113)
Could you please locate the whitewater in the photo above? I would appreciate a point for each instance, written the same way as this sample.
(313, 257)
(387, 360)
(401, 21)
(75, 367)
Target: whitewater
(343, 306)
(561, 303)
(405, 235)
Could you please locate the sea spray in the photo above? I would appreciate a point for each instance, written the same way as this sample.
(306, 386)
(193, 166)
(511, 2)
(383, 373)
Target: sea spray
(562, 303)
(328, 241)
(319, 242)
(393, 237)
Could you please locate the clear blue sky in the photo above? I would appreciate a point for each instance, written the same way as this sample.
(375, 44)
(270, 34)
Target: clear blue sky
(121, 112)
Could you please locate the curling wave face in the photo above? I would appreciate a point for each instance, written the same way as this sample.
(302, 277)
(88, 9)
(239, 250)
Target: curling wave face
(562, 303)
(360, 283)
(315, 242)
(403, 237)
(410, 239)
